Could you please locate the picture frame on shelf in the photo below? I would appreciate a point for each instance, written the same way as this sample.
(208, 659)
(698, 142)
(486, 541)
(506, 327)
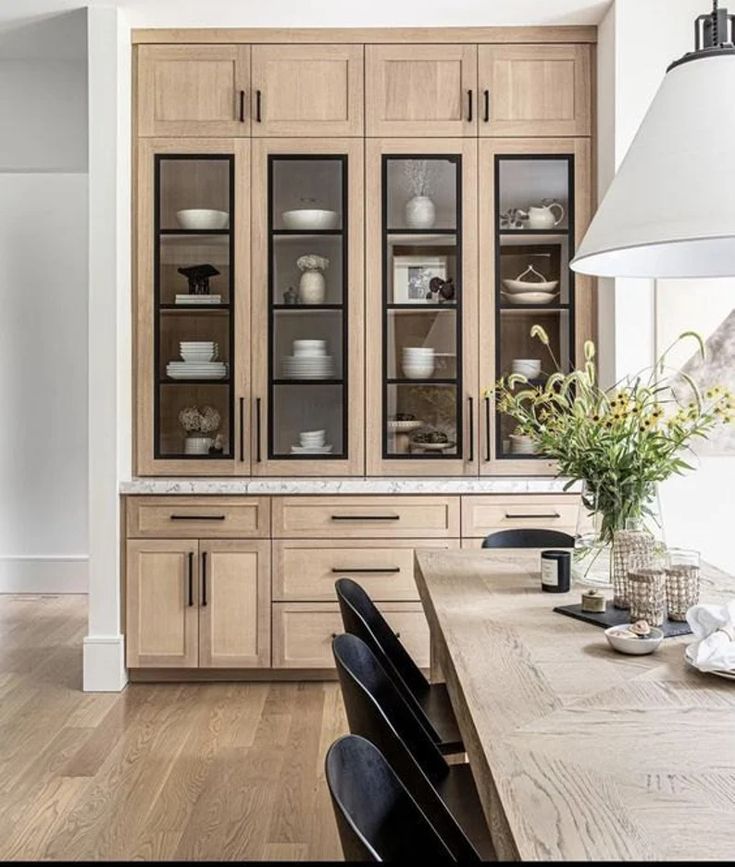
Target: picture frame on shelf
(413, 273)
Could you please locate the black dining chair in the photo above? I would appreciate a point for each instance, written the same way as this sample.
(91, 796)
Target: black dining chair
(377, 819)
(430, 701)
(521, 538)
(377, 711)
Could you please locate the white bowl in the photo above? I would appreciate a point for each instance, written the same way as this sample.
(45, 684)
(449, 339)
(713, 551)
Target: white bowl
(624, 643)
(529, 367)
(516, 286)
(202, 218)
(418, 371)
(418, 350)
(310, 218)
(530, 297)
(522, 445)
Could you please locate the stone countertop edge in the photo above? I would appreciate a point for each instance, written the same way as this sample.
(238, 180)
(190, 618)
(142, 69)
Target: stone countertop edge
(372, 485)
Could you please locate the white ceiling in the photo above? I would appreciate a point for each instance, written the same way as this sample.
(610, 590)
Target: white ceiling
(324, 13)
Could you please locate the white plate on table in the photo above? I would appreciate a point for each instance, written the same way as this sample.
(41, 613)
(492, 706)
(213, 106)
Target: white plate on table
(728, 675)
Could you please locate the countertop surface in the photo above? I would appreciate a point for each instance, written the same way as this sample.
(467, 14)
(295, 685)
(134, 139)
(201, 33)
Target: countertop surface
(373, 485)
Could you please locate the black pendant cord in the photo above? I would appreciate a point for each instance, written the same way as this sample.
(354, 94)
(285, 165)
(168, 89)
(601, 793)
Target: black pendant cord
(715, 22)
(713, 36)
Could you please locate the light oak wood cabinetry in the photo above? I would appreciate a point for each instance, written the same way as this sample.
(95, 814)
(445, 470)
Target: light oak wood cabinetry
(307, 90)
(211, 517)
(421, 90)
(193, 90)
(482, 515)
(535, 90)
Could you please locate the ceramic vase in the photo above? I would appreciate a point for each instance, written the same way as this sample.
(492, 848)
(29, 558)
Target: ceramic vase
(420, 213)
(312, 287)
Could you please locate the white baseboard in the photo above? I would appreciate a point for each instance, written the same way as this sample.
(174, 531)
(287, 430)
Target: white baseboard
(44, 573)
(104, 663)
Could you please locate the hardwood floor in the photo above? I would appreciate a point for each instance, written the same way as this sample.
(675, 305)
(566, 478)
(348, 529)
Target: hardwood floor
(177, 771)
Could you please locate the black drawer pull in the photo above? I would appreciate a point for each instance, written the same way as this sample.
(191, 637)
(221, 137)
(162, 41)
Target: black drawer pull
(333, 635)
(469, 106)
(257, 105)
(397, 634)
(242, 106)
(204, 578)
(198, 517)
(487, 428)
(391, 569)
(257, 429)
(524, 516)
(242, 429)
(191, 579)
(486, 117)
(366, 517)
(471, 425)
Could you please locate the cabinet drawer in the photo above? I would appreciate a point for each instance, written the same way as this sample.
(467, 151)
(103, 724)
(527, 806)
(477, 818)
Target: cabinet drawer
(483, 515)
(306, 570)
(198, 517)
(365, 517)
(303, 632)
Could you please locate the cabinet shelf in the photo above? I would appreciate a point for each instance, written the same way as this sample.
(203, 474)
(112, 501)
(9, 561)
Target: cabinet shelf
(420, 307)
(166, 381)
(180, 308)
(308, 382)
(306, 233)
(196, 232)
(532, 308)
(421, 232)
(534, 233)
(434, 381)
(307, 308)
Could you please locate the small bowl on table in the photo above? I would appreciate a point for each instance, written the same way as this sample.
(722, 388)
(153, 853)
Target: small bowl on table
(621, 638)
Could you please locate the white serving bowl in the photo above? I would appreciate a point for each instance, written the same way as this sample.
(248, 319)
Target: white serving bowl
(529, 367)
(202, 218)
(197, 357)
(522, 445)
(624, 643)
(519, 286)
(418, 371)
(307, 219)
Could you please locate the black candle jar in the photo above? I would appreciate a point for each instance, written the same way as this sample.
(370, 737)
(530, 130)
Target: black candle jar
(556, 571)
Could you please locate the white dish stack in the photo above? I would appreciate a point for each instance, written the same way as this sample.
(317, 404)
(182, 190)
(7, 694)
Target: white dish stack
(312, 442)
(309, 361)
(198, 361)
(185, 299)
(417, 362)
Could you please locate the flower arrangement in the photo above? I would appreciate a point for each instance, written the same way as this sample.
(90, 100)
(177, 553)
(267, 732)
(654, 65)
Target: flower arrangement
(622, 441)
(312, 262)
(195, 420)
(418, 175)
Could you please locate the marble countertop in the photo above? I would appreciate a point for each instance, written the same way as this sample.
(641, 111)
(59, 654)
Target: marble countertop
(372, 485)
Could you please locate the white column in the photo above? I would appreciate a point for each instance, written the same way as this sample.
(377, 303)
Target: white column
(109, 339)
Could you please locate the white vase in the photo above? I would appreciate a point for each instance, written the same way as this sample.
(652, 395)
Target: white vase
(420, 213)
(312, 287)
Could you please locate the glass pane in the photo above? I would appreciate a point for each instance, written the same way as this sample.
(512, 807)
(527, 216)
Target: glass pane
(307, 344)
(205, 261)
(205, 427)
(307, 421)
(296, 277)
(195, 193)
(422, 344)
(307, 194)
(205, 327)
(422, 421)
(534, 275)
(537, 188)
(422, 193)
(422, 269)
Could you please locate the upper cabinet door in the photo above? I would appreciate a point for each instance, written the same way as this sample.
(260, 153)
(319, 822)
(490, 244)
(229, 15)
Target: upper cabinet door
(421, 90)
(307, 90)
(190, 90)
(535, 90)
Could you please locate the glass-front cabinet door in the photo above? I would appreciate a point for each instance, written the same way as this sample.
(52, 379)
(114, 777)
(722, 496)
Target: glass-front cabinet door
(308, 328)
(421, 344)
(191, 285)
(534, 207)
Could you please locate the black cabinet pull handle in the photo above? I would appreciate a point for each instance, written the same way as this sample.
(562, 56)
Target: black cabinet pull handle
(486, 115)
(191, 579)
(333, 635)
(366, 517)
(469, 106)
(397, 634)
(242, 106)
(242, 429)
(257, 105)
(257, 429)
(204, 578)
(198, 517)
(471, 420)
(520, 517)
(487, 428)
(390, 569)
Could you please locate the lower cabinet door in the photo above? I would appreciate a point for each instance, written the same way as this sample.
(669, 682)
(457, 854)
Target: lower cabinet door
(234, 604)
(303, 632)
(162, 617)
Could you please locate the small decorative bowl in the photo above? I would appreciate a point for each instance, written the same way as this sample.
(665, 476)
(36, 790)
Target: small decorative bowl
(621, 639)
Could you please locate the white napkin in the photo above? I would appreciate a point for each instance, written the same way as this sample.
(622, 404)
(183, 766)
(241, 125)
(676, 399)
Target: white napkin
(714, 627)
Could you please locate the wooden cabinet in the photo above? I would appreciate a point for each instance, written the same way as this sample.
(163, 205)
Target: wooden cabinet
(482, 515)
(535, 90)
(193, 90)
(211, 517)
(307, 90)
(197, 604)
(162, 621)
(421, 90)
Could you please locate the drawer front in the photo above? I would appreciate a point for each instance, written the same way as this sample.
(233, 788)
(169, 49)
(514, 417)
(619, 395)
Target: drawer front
(198, 517)
(303, 632)
(365, 517)
(306, 570)
(483, 515)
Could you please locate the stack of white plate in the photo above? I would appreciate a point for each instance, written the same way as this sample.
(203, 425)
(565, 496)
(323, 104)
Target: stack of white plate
(309, 361)
(198, 361)
(198, 299)
(312, 442)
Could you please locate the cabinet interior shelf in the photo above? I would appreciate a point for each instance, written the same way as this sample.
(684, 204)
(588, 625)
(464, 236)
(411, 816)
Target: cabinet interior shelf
(556, 231)
(434, 381)
(197, 232)
(532, 308)
(181, 308)
(165, 381)
(421, 231)
(307, 308)
(305, 233)
(421, 307)
(308, 382)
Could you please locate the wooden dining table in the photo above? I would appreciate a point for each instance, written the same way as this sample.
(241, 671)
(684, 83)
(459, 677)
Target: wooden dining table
(579, 752)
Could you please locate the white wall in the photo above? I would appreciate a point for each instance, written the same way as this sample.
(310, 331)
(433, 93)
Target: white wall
(43, 298)
(646, 35)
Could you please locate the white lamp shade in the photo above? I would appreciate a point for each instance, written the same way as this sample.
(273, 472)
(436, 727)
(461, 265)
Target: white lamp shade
(670, 210)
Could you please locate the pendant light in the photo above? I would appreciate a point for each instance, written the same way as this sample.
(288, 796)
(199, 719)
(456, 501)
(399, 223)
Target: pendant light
(670, 210)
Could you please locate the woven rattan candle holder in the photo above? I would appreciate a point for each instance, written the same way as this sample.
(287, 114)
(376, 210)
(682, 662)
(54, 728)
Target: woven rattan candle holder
(647, 589)
(682, 582)
(628, 545)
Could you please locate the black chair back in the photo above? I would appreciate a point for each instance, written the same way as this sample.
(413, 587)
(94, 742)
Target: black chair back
(377, 711)
(360, 617)
(377, 818)
(528, 539)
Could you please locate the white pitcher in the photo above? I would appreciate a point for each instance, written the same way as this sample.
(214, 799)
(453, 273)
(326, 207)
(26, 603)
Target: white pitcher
(542, 216)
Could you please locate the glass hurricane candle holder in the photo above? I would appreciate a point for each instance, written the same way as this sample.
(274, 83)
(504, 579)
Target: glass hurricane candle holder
(647, 588)
(682, 581)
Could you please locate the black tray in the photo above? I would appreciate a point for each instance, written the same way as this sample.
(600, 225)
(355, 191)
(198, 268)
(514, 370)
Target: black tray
(617, 616)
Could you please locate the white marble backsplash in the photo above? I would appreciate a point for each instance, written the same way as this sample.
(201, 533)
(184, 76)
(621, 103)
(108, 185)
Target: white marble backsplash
(373, 485)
